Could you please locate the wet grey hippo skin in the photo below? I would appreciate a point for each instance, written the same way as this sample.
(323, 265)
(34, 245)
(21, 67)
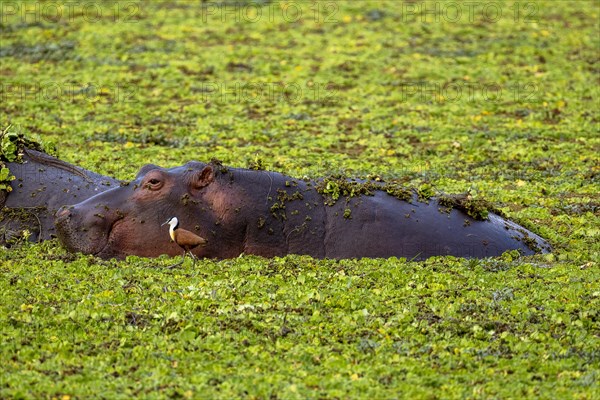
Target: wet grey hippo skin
(269, 214)
(43, 184)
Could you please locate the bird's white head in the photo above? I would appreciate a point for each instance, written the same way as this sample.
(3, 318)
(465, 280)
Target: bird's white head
(173, 222)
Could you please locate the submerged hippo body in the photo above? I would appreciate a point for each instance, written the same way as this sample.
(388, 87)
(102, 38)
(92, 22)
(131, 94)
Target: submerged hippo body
(265, 213)
(41, 186)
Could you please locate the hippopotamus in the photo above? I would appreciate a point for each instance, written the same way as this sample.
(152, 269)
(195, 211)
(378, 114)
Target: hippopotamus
(240, 211)
(41, 186)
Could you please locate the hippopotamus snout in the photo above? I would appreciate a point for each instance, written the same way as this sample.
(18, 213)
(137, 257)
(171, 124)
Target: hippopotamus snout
(64, 229)
(85, 227)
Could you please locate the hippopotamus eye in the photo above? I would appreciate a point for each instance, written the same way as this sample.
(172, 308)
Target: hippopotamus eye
(153, 184)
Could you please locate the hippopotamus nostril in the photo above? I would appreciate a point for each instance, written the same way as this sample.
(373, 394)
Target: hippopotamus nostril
(63, 213)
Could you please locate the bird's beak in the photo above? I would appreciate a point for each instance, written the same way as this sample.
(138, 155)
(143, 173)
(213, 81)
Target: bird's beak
(164, 223)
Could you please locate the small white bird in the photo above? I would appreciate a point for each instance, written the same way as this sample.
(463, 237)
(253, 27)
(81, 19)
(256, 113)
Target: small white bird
(185, 239)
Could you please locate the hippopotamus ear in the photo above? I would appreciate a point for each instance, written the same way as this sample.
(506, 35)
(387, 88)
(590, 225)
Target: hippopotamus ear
(144, 170)
(203, 178)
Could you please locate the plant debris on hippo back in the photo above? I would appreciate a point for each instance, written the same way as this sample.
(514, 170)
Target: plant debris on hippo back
(269, 214)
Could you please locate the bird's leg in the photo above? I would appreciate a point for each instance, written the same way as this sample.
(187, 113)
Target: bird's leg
(194, 258)
(177, 264)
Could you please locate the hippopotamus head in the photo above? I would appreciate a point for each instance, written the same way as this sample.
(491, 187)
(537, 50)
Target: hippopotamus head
(127, 219)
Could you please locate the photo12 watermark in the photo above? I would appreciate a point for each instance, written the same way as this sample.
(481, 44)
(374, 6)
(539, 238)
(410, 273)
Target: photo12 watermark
(53, 12)
(48, 92)
(468, 11)
(253, 11)
(270, 92)
(428, 92)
